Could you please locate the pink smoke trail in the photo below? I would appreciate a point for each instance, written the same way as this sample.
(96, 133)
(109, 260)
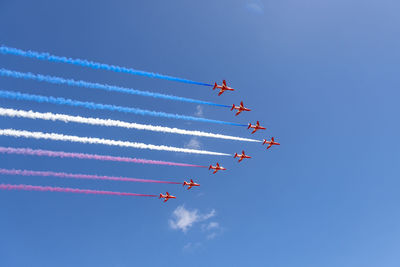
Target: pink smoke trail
(67, 190)
(78, 176)
(61, 154)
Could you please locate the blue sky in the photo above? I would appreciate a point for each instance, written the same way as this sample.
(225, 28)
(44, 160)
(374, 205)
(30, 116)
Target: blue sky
(321, 75)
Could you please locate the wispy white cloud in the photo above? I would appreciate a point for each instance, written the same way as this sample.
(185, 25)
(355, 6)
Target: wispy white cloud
(255, 6)
(199, 111)
(194, 143)
(191, 246)
(213, 229)
(211, 236)
(183, 219)
(212, 225)
(209, 215)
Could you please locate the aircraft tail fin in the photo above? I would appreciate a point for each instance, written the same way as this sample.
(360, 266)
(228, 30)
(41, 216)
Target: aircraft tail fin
(235, 155)
(233, 106)
(249, 126)
(215, 86)
(160, 196)
(210, 167)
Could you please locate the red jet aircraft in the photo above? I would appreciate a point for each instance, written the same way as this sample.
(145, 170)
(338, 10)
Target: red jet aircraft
(190, 184)
(271, 143)
(166, 196)
(223, 87)
(239, 108)
(216, 168)
(242, 156)
(255, 127)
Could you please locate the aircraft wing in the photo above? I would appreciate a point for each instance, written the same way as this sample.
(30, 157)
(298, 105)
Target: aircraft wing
(255, 130)
(269, 146)
(240, 159)
(220, 92)
(215, 171)
(239, 111)
(165, 200)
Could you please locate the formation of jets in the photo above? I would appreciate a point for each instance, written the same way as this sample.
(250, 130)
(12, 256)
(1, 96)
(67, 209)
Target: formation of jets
(241, 156)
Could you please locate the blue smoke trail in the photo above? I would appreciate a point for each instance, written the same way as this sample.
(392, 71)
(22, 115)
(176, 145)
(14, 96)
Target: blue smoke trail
(91, 105)
(71, 82)
(91, 64)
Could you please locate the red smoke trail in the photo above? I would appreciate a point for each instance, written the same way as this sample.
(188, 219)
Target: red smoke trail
(78, 176)
(61, 154)
(67, 190)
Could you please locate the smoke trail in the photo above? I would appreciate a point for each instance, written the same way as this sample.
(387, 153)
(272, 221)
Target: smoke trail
(71, 82)
(61, 154)
(91, 105)
(78, 176)
(91, 64)
(112, 123)
(108, 142)
(67, 190)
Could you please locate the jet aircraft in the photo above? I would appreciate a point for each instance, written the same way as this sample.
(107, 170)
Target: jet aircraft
(241, 156)
(223, 87)
(270, 143)
(239, 108)
(256, 127)
(190, 184)
(216, 168)
(166, 196)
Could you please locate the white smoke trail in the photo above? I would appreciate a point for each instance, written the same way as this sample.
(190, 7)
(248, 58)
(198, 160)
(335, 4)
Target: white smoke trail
(108, 142)
(113, 123)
